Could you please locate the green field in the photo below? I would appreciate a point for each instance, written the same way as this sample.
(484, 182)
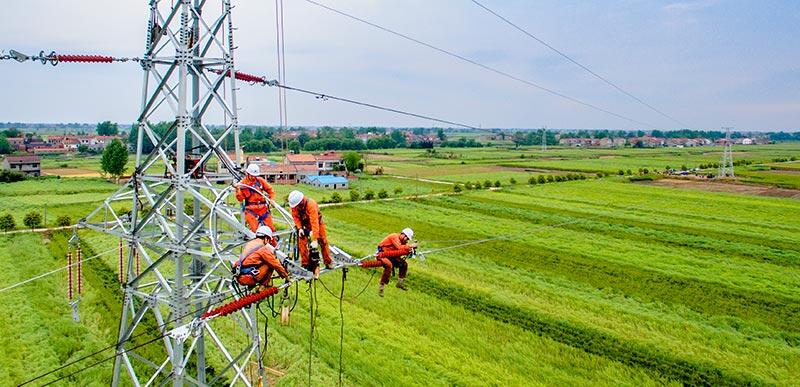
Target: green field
(598, 281)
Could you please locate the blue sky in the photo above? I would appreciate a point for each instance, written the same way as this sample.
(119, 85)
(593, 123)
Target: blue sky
(708, 63)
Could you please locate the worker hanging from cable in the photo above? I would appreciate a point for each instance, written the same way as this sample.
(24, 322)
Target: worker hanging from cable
(253, 192)
(258, 261)
(392, 253)
(310, 232)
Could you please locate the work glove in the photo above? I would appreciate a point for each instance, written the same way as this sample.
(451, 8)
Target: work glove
(314, 245)
(301, 233)
(414, 245)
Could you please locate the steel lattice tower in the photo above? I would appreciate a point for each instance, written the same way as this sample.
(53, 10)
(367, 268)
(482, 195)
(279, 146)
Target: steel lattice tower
(726, 167)
(181, 223)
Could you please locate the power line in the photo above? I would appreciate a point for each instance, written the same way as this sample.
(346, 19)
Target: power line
(567, 57)
(481, 65)
(370, 105)
(18, 284)
(116, 344)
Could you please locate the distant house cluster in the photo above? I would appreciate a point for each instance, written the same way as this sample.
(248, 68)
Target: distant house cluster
(324, 170)
(50, 145)
(654, 142)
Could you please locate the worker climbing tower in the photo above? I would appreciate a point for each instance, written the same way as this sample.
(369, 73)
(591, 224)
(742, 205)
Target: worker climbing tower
(726, 167)
(175, 214)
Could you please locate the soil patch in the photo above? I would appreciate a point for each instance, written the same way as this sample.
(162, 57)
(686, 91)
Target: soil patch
(718, 186)
(70, 172)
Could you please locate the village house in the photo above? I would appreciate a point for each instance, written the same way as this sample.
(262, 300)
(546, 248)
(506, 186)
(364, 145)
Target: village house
(17, 143)
(327, 181)
(29, 165)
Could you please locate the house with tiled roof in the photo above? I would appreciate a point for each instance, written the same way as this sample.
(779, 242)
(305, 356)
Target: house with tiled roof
(30, 165)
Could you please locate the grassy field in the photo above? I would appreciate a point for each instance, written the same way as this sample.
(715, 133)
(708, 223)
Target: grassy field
(597, 281)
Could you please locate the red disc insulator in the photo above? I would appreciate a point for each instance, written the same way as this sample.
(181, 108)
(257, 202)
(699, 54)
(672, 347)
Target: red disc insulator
(243, 76)
(84, 58)
(373, 263)
(241, 303)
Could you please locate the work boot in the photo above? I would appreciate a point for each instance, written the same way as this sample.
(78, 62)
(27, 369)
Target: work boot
(380, 289)
(401, 285)
(329, 266)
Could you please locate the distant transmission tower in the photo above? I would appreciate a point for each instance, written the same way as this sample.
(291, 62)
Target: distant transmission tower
(177, 216)
(726, 167)
(544, 139)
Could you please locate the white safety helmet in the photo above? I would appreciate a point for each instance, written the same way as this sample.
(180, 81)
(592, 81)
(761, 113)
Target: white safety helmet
(409, 233)
(253, 169)
(295, 197)
(263, 231)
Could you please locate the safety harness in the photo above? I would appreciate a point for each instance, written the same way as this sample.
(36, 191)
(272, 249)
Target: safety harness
(246, 204)
(239, 269)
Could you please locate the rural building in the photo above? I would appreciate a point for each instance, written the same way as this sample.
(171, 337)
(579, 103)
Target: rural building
(17, 143)
(329, 162)
(327, 181)
(300, 159)
(29, 165)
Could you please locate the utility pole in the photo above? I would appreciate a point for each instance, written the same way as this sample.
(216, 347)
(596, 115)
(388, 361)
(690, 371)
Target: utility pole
(726, 166)
(188, 75)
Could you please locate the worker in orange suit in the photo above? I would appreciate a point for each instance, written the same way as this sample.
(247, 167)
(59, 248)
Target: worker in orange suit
(310, 227)
(258, 261)
(391, 253)
(253, 192)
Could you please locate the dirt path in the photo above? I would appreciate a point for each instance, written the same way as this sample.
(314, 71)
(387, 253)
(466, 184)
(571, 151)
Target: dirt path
(732, 187)
(421, 179)
(388, 199)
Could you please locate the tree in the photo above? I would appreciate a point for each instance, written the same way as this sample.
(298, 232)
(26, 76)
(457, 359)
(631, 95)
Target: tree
(5, 146)
(532, 180)
(541, 179)
(294, 146)
(383, 194)
(398, 190)
(352, 161)
(7, 222)
(457, 188)
(512, 181)
(441, 135)
(369, 195)
(107, 128)
(354, 195)
(63, 220)
(32, 219)
(399, 138)
(487, 184)
(550, 179)
(115, 156)
(497, 183)
(336, 198)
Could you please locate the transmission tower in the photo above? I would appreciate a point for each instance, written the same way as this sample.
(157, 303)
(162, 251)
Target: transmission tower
(726, 166)
(544, 139)
(180, 221)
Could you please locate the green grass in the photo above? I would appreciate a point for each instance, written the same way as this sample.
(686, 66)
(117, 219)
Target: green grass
(600, 281)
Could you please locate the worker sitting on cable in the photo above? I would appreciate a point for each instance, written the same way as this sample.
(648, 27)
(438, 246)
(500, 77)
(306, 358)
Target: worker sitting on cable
(392, 252)
(253, 191)
(310, 227)
(257, 261)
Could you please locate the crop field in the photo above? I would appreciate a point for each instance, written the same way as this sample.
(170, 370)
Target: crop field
(597, 281)
(71, 197)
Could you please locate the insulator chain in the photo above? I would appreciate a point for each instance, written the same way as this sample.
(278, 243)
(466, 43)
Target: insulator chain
(54, 59)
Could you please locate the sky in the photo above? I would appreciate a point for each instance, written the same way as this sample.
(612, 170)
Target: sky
(707, 63)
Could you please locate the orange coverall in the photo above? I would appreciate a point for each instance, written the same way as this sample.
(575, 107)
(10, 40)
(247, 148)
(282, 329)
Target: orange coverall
(390, 250)
(256, 256)
(256, 208)
(307, 217)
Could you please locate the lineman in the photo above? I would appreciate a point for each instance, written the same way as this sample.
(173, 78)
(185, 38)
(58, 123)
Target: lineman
(308, 220)
(257, 261)
(253, 192)
(392, 252)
